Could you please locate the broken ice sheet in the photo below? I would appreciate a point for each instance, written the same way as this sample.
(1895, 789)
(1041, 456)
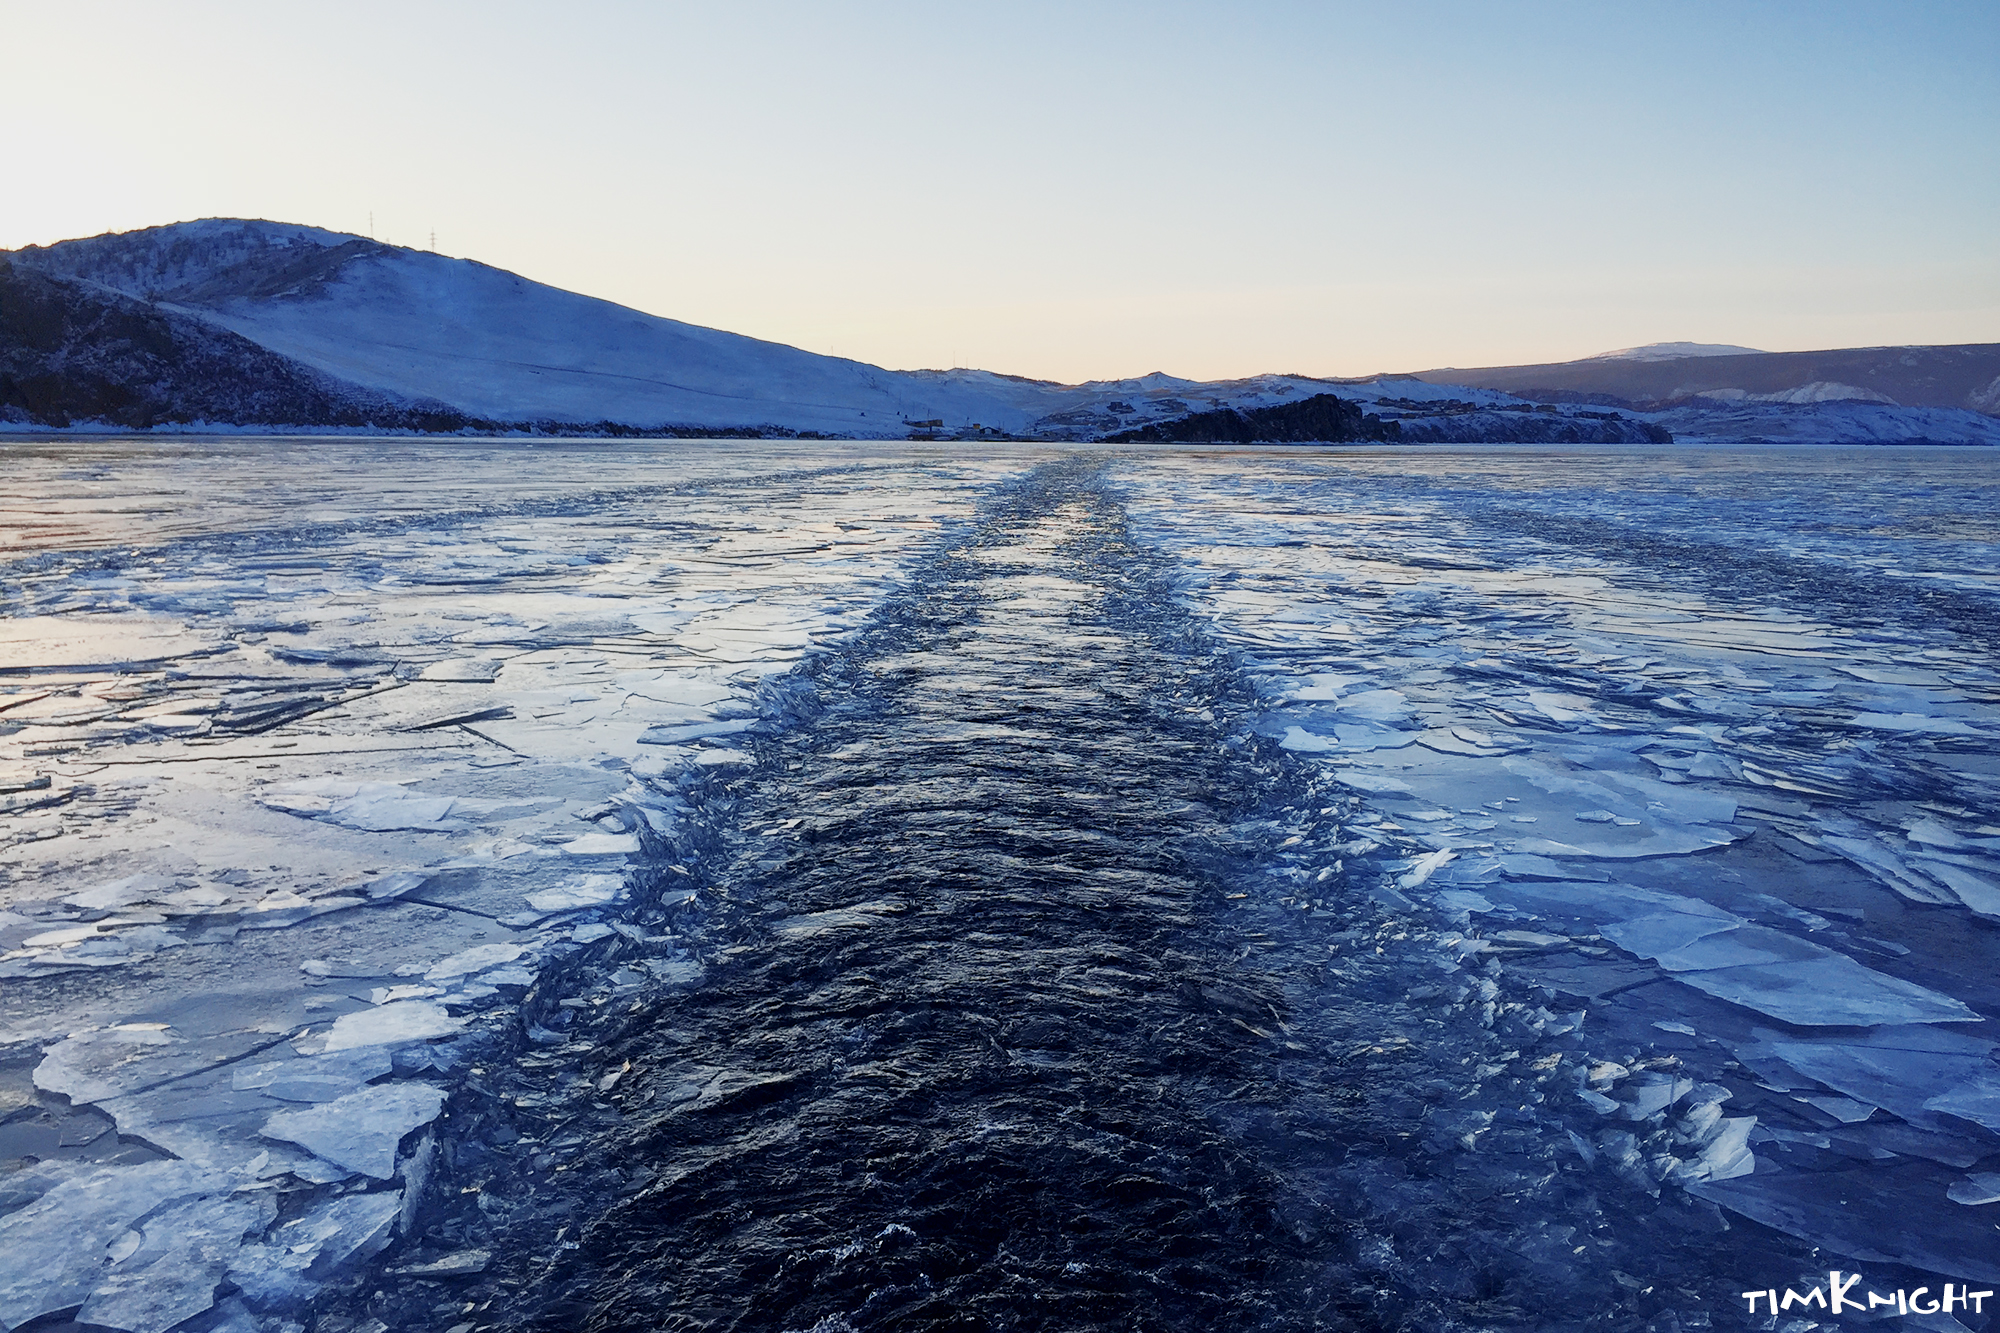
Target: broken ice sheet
(314, 1247)
(375, 807)
(1865, 1213)
(722, 758)
(579, 891)
(1780, 975)
(1640, 846)
(681, 734)
(468, 670)
(1755, 967)
(1375, 784)
(1976, 1099)
(1560, 707)
(1898, 1068)
(120, 893)
(71, 641)
(695, 691)
(1833, 991)
(1604, 901)
(304, 608)
(400, 1021)
(476, 959)
(1926, 723)
(1322, 687)
(1844, 1109)
(314, 1079)
(1625, 793)
(1685, 700)
(1378, 705)
(1886, 867)
(361, 1130)
(603, 844)
(1735, 946)
(52, 1251)
(1930, 833)
(101, 1063)
(181, 1254)
(1659, 933)
(1979, 892)
(394, 884)
(1978, 1189)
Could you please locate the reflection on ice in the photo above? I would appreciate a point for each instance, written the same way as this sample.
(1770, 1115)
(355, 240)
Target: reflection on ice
(304, 785)
(56, 1246)
(1681, 728)
(366, 734)
(360, 1130)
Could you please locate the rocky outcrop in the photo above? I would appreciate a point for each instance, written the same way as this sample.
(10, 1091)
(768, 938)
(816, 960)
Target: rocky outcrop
(1320, 419)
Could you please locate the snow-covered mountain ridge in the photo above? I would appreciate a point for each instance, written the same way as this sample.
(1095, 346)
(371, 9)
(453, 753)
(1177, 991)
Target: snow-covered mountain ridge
(1964, 377)
(498, 347)
(1674, 351)
(265, 325)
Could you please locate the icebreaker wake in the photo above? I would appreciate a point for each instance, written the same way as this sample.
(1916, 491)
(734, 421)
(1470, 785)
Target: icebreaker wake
(1007, 1027)
(478, 886)
(991, 1049)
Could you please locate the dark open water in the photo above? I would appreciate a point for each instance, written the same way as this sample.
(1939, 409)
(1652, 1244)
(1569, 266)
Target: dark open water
(994, 1035)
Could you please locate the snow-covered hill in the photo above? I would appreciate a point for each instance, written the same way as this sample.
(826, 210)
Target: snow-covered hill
(488, 342)
(1669, 375)
(1674, 351)
(1827, 421)
(496, 346)
(77, 354)
(339, 331)
(1819, 413)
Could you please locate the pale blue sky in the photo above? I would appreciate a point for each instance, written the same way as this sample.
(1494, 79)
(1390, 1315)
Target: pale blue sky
(1080, 190)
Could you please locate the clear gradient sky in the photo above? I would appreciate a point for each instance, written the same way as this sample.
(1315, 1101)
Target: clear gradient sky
(1080, 190)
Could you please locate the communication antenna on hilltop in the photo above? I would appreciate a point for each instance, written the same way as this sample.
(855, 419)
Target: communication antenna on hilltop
(434, 240)
(371, 224)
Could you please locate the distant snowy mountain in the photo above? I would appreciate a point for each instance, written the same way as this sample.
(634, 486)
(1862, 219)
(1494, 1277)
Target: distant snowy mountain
(411, 326)
(1827, 421)
(1673, 351)
(1962, 378)
(1818, 391)
(243, 324)
(490, 343)
(1443, 413)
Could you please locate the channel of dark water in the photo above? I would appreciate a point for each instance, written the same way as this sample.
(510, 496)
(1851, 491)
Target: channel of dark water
(1018, 1013)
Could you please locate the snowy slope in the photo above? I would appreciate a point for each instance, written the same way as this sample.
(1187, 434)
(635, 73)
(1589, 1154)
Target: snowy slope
(1963, 376)
(395, 330)
(1827, 421)
(488, 342)
(74, 353)
(1817, 413)
(1674, 351)
(495, 345)
(1818, 391)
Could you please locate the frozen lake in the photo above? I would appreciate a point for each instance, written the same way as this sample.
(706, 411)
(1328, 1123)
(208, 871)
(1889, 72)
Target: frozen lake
(745, 885)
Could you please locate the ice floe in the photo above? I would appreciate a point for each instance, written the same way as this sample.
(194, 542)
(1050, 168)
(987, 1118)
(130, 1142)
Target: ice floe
(404, 1020)
(57, 1249)
(311, 777)
(361, 1129)
(340, 727)
(1723, 798)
